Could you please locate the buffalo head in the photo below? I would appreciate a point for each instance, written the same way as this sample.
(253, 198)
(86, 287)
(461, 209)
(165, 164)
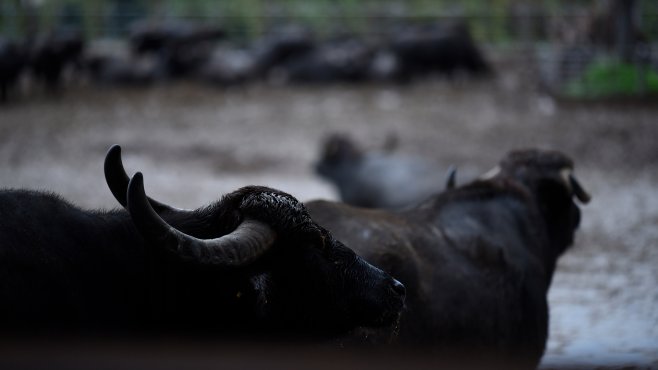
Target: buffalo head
(337, 151)
(301, 279)
(548, 177)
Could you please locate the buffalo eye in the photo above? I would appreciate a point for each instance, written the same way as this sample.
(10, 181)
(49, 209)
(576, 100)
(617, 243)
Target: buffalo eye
(342, 257)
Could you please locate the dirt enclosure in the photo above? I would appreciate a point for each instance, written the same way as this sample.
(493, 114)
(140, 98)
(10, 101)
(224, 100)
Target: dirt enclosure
(194, 143)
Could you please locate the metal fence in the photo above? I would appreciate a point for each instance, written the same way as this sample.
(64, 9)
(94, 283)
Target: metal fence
(499, 21)
(569, 40)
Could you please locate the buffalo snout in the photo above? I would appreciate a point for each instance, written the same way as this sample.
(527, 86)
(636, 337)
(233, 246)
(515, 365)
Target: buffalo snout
(388, 294)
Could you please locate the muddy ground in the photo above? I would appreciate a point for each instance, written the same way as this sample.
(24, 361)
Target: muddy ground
(193, 143)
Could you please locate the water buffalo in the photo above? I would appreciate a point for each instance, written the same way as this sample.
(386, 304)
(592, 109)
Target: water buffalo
(376, 179)
(228, 66)
(183, 47)
(345, 59)
(118, 70)
(272, 53)
(13, 58)
(249, 265)
(477, 259)
(150, 37)
(444, 49)
(52, 53)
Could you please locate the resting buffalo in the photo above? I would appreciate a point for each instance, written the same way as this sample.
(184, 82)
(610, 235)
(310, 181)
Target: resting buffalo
(477, 260)
(228, 66)
(110, 70)
(251, 264)
(149, 37)
(344, 59)
(182, 47)
(274, 52)
(52, 53)
(376, 179)
(13, 58)
(443, 49)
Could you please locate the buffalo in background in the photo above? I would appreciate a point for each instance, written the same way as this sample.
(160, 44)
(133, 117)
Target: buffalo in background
(376, 179)
(344, 59)
(441, 49)
(166, 50)
(13, 59)
(52, 53)
(253, 264)
(183, 47)
(265, 60)
(116, 69)
(46, 57)
(273, 52)
(111, 64)
(477, 260)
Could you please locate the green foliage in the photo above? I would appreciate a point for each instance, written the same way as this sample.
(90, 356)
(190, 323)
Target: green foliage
(607, 78)
(250, 18)
(244, 19)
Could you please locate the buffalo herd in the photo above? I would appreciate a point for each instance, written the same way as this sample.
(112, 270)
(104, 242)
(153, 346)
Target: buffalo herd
(45, 58)
(163, 51)
(407, 259)
(464, 271)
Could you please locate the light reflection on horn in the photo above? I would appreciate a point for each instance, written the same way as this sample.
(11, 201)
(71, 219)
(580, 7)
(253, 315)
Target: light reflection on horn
(490, 174)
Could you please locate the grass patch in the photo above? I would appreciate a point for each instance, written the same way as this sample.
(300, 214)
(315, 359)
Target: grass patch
(609, 78)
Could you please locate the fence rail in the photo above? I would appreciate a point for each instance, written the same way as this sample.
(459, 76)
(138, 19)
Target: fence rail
(560, 36)
(500, 21)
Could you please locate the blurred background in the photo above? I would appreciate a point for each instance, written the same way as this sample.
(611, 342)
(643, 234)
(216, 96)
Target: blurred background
(207, 96)
(576, 48)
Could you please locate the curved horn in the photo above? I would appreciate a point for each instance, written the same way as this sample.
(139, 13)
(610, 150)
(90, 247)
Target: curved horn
(490, 174)
(244, 245)
(574, 186)
(451, 179)
(580, 192)
(117, 180)
(115, 175)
